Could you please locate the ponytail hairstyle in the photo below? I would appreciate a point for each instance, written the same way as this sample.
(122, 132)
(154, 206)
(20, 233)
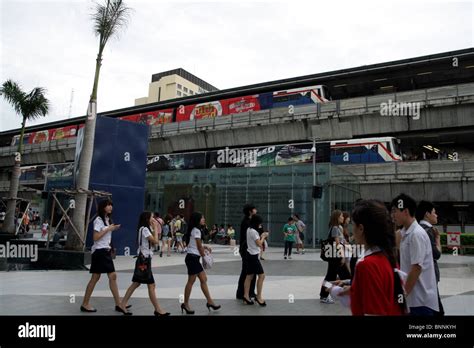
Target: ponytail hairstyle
(194, 222)
(378, 231)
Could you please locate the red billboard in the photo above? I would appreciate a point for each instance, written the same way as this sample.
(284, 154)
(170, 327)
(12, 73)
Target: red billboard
(62, 133)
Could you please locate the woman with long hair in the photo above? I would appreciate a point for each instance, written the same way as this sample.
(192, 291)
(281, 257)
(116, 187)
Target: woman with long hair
(336, 262)
(145, 240)
(255, 242)
(196, 249)
(377, 288)
(102, 256)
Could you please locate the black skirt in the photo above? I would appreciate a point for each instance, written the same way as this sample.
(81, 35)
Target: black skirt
(253, 265)
(193, 264)
(102, 261)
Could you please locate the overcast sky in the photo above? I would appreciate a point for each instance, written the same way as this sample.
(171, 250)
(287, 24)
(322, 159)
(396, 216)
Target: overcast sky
(226, 43)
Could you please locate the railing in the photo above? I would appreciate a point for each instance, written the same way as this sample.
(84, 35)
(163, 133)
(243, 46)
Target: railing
(411, 170)
(448, 95)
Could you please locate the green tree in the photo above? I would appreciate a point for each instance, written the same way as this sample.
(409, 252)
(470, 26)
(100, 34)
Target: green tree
(29, 106)
(108, 19)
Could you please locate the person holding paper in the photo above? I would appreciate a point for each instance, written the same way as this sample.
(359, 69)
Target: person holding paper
(377, 287)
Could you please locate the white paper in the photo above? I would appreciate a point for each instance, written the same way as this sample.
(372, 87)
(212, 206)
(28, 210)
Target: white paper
(345, 299)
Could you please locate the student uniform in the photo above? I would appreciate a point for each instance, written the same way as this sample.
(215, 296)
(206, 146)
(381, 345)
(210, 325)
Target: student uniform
(193, 256)
(101, 259)
(253, 250)
(415, 249)
(372, 288)
(144, 247)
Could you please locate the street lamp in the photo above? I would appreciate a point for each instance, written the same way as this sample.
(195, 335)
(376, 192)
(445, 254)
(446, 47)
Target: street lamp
(313, 151)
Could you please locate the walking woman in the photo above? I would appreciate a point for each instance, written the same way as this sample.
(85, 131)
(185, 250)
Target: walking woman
(196, 249)
(255, 241)
(102, 256)
(145, 240)
(166, 236)
(336, 263)
(376, 287)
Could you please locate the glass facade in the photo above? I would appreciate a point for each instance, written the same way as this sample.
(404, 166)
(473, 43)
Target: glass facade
(276, 191)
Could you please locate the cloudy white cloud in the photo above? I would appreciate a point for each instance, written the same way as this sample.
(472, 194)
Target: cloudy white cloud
(228, 44)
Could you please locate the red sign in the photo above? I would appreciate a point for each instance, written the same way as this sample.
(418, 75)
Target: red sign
(243, 104)
(63, 133)
(151, 118)
(453, 239)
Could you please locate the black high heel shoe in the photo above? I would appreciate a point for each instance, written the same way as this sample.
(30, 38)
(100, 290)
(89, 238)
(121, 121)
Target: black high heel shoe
(214, 307)
(183, 308)
(263, 304)
(118, 309)
(166, 314)
(248, 302)
(84, 309)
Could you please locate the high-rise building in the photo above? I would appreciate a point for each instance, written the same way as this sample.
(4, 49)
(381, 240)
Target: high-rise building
(173, 84)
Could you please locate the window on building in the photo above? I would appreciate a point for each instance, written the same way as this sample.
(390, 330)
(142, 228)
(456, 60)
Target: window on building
(191, 92)
(178, 93)
(179, 86)
(185, 90)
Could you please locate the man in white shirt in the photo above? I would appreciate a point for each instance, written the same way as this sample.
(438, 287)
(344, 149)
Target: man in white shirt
(416, 258)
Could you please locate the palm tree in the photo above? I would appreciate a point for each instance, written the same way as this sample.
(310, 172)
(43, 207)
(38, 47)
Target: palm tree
(108, 19)
(29, 106)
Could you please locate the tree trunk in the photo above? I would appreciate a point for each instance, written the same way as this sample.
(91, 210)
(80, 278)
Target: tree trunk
(9, 222)
(85, 162)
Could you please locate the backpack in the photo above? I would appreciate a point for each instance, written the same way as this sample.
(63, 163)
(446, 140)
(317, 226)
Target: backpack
(184, 227)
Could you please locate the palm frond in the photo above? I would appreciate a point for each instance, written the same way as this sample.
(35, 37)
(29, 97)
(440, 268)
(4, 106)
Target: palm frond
(109, 18)
(13, 94)
(36, 104)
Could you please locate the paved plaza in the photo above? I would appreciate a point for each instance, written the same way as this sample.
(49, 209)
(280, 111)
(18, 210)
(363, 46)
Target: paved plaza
(291, 287)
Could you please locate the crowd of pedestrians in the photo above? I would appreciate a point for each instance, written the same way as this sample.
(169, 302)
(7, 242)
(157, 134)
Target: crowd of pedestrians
(396, 272)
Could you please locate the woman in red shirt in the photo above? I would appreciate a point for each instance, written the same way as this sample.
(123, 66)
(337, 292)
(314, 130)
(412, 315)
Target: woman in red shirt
(376, 287)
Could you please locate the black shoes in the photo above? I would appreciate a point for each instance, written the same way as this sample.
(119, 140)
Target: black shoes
(84, 309)
(248, 302)
(183, 308)
(158, 314)
(263, 304)
(214, 307)
(118, 309)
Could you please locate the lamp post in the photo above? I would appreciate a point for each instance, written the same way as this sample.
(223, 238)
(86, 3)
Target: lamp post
(313, 150)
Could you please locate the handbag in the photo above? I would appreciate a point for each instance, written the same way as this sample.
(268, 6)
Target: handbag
(142, 270)
(207, 260)
(325, 245)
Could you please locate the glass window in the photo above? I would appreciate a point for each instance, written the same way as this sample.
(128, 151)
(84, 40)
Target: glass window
(191, 92)
(178, 93)
(179, 86)
(185, 89)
